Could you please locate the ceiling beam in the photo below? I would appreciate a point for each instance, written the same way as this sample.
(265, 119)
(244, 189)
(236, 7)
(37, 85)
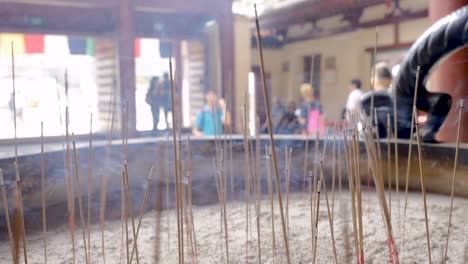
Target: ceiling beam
(85, 18)
(309, 10)
(44, 19)
(191, 6)
(368, 24)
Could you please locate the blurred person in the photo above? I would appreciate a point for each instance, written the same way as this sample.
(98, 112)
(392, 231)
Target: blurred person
(277, 112)
(154, 99)
(166, 96)
(353, 103)
(289, 123)
(383, 102)
(383, 77)
(310, 111)
(209, 120)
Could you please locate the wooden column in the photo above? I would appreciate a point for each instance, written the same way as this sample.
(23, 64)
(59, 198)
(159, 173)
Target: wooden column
(226, 35)
(451, 76)
(125, 36)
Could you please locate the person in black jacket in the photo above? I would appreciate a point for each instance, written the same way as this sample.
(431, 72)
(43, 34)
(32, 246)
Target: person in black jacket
(154, 99)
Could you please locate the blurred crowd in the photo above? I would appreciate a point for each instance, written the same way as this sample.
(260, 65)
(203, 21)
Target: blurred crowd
(302, 118)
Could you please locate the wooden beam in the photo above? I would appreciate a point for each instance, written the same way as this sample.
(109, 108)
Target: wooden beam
(305, 11)
(405, 45)
(170, 26)
(65, 3)
(19, 17)
(369, 24)
(172, 6)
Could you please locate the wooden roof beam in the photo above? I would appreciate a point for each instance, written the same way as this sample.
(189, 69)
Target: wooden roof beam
(303, 12)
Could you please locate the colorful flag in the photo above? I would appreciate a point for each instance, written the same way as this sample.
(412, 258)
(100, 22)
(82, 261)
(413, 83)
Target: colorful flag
(90, 46)
(77, 45)
(81, 46)
(7, 39)
(137, 48)
(34, 43)
(56, 44)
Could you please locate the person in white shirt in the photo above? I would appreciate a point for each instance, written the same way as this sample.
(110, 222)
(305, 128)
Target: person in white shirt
(353, 104)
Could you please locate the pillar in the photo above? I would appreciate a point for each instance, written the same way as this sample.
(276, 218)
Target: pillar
(451, 76)
(125, 37)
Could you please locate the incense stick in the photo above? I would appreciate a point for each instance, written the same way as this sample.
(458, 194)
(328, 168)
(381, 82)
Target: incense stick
(340, 177)
(14, 100)
(330, 219)
(70, 189)
(410, 152)
(333, 177)
(7, 217)
(247, 180)
(43, 192)
(102, 215)
(18, 185)
(423, 188)
(166, 142)
(373, 70)
(359, 194)
(272, 208)
(142, 211)
(306, 153)
(312, 190)
(189, 174)
(317, 210)
(180, 187)
(218, 192)
(125, 215)
(397, 166)
(288, 182)
(159, 204)
(90, 171)
(389, 168)
(21, 212)
(132, 214)
(176, 169)
(258, 186)
(454, 172)
(80, 202)
(272, 140)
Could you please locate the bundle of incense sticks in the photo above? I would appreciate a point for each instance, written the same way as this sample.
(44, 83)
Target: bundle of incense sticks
(352, 168)
(379, 184)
